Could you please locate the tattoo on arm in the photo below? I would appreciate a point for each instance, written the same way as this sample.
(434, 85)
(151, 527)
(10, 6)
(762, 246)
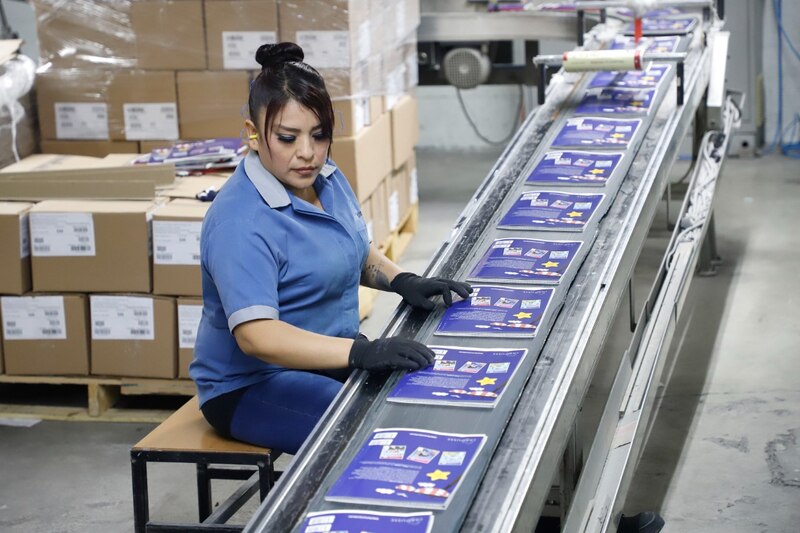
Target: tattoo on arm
(374, 277)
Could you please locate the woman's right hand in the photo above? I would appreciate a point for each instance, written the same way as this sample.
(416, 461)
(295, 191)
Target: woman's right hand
(391, 353)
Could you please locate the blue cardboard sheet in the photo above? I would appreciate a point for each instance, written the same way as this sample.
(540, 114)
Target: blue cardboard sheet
(406, 467)
(553, 211)
(616, 101)
(575, 168)
(525, 261)
(496, 311)
(358, 521)
(464, 377)
(596, 132)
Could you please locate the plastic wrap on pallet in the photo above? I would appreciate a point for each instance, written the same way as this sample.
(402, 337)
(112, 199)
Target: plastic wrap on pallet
(152, 34)
(351, 41)
(17, 138)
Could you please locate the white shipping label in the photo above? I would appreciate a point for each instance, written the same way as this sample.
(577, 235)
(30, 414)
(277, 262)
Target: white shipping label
(24, 236)
(176, 243)
(395, 86)
(122, 318)
(394, 209)
(62, 234)
(239, 48)
(325, 49)
(361, 114)
(33, 318)
(188, 321)
(81, 120)
(151, 121)
(413, 189)
(364, 40)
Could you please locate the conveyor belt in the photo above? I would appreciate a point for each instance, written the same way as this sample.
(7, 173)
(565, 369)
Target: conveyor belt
(527, 431)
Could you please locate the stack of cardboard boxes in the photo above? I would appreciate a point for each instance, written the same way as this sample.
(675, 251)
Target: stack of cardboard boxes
(113, 287)
(152, 71)
(107, 288)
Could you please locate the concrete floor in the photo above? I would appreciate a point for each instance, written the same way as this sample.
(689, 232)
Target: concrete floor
(723, 453)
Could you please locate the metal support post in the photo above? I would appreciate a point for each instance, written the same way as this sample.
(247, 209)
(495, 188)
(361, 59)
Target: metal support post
(141, 503)
(204, 503)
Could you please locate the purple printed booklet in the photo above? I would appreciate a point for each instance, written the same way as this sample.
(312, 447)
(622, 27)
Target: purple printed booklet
(552, 211)
(596, 132)
(658, 12)
(664, 26)
(662, 44)
(209, 153)
(496, 311)
(575, 168)
(615, 101)
(404, 467)
(464, 377)
(648, 78)
(358, 521)
(525, 260)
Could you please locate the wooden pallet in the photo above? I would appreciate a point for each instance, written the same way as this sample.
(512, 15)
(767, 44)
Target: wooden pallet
(103, 394)
(396, 243)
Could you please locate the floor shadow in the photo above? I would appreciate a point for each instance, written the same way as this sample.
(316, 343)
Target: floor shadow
(693, 356)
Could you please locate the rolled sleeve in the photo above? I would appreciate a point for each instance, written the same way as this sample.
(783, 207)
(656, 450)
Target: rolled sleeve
(245, 272)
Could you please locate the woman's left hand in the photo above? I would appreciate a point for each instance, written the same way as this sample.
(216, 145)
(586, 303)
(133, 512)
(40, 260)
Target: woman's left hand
(417, 290)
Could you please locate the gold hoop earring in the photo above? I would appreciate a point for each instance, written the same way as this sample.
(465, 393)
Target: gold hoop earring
(254, 136)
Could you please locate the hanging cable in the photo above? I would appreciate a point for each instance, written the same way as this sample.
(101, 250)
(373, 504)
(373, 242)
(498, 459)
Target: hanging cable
(514, 126)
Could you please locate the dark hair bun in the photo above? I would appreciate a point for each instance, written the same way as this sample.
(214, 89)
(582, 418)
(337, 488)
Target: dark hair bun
(273, 55)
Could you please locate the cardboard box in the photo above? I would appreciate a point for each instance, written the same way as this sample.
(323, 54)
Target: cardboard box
(397, 200)
(67, 39)
(366, 212)
(351, 115)
(344, 83)
(90, 148)
(380, 216)
(15, 250)
(332, 34)
(176, 249)
(91, 246)
(43, 176)
(46, 335)
(133, 335)
(169, 34)
(145, 147)
(212, 104)
(101, 105)
(413, 183)
(405, 130)
(236, 28)
(365, 158)
(189, 312)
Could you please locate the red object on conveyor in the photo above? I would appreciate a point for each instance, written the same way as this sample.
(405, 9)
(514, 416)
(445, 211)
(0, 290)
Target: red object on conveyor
(637, 29)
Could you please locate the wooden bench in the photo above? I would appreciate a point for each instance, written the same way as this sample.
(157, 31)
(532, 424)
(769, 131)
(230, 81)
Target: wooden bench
(186, 437)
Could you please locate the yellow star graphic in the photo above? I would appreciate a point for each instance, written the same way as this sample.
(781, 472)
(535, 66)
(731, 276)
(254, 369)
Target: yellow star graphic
(596, 171)
(574, 214)
(438, 475)
(523, 314)
(637, 103)
(617, 135)
(550, 264)
(647, 78)
(487, 381)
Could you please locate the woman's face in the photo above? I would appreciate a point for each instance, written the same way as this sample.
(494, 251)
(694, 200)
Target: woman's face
(297, 147)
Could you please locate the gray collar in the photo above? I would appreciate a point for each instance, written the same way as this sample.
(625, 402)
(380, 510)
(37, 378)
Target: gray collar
(271, 190)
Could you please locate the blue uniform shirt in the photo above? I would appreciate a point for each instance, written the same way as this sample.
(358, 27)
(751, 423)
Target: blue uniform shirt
(266, 254)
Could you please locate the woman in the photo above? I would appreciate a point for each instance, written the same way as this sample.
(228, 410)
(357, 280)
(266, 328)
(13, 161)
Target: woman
(283, 249)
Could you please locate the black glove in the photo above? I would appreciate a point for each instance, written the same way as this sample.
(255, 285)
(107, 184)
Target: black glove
(416, 290)
(391, 353)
